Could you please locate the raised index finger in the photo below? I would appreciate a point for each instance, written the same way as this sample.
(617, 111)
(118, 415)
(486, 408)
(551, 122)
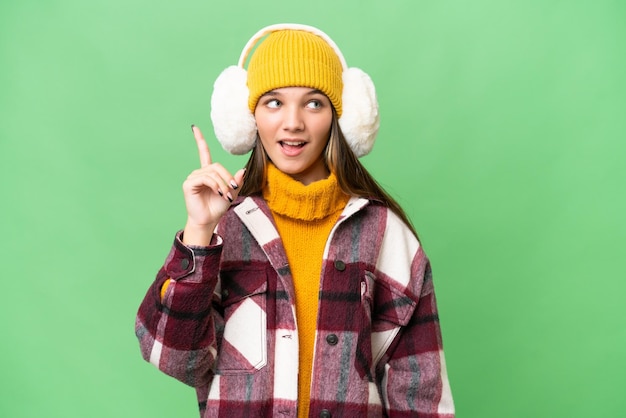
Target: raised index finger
(203, 148)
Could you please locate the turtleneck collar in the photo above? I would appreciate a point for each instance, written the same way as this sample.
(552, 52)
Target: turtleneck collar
(288, 197)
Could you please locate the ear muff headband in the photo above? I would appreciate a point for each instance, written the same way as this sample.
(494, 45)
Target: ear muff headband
(235, 126)
(288, 26)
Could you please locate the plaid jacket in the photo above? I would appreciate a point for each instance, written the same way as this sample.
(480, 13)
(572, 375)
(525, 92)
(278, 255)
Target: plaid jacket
(226, 324)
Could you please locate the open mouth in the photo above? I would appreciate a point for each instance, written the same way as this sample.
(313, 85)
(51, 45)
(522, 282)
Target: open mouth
(294, 144)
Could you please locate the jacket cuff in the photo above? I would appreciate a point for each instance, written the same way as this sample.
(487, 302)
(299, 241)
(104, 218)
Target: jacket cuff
(185, 260)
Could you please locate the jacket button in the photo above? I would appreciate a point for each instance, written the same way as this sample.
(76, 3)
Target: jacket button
(325, 413)
(332, 339)
(184, 263)
(225, 293)
(340, 265)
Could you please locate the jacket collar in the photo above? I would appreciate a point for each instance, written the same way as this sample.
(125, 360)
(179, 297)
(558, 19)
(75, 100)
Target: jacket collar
(254, 214)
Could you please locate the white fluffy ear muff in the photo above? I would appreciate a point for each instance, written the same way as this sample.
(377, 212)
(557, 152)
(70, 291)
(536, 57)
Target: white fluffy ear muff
(235, 126)
(360, 119)
(233, 122)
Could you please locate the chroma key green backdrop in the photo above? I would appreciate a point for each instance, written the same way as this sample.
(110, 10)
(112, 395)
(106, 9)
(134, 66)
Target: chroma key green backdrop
(503, 136)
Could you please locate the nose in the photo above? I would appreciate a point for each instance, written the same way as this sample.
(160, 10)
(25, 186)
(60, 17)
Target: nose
(293, 120)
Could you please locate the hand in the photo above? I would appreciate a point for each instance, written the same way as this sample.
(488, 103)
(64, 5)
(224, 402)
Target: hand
(208, 193)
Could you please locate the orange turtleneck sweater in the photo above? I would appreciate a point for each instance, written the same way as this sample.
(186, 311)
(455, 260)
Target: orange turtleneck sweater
(304, 216)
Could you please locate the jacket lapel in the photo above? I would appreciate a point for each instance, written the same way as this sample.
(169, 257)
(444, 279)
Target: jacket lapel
(263, 230)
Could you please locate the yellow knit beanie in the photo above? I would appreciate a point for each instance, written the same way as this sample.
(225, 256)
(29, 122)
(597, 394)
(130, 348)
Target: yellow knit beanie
(295, 58)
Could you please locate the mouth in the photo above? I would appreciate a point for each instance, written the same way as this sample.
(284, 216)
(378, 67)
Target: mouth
(292, 144)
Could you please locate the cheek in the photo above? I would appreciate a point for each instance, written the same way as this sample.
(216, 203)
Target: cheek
(266, 133)
(263, 127)
(266, 118)
(322, 128)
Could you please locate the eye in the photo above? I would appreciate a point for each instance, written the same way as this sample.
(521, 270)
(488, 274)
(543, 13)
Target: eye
(273, 103)
(314, 104)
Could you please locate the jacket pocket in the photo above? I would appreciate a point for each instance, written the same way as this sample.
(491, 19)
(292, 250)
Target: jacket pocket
(243, 348)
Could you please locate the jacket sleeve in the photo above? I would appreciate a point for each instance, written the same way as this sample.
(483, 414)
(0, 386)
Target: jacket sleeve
(415, 377)
(412, 370)
(177, 333)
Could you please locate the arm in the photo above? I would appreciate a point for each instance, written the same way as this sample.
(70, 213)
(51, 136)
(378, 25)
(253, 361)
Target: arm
(413, 371)
(176, 325)
(177, 333)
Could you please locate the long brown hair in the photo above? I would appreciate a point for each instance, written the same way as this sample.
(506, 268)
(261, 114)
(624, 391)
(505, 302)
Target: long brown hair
(352, 176)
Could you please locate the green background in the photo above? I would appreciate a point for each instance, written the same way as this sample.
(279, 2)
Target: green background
(503, 136)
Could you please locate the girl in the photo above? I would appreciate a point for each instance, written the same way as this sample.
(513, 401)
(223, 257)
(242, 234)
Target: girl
(298, 286)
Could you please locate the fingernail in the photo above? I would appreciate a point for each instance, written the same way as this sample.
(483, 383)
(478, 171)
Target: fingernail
(230, 197)
(220, 192)
(192, 126)
(232, 183)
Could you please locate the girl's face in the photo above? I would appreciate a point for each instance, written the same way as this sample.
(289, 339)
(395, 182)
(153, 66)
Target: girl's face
(294, 127)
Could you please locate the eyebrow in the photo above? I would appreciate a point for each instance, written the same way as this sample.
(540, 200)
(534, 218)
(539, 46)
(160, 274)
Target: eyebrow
(312, 92)
(315, 91)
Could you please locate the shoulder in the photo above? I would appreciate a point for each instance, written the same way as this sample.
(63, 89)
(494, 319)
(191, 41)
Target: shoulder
(381, 220)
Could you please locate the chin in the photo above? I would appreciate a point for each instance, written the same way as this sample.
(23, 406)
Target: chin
(291, 170)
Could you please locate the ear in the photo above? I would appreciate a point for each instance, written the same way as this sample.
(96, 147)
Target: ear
(233, 122)
(360, 120)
